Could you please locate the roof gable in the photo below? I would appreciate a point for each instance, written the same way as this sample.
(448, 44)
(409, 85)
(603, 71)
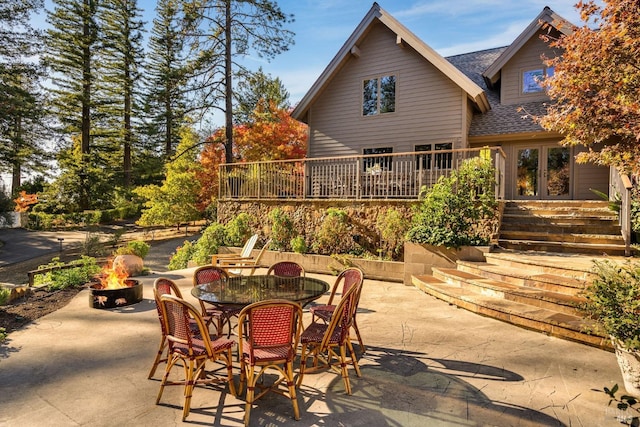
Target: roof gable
(404, 36)
(547, 16)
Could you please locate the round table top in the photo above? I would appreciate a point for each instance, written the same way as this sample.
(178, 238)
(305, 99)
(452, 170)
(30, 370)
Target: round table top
(245, 290)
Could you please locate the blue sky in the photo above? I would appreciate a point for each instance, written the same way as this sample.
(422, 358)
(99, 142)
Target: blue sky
(448, 26)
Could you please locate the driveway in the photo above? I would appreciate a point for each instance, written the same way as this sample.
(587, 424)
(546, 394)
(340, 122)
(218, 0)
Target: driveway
(21, 245)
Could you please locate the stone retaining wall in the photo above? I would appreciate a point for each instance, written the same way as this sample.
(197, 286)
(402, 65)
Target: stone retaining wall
(307, 215)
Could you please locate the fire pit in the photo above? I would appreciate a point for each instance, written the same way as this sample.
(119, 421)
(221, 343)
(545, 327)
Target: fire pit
(114, 289)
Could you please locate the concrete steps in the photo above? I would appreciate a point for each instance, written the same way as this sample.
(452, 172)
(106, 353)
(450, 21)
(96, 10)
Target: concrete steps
(538, 291)
(587, 227)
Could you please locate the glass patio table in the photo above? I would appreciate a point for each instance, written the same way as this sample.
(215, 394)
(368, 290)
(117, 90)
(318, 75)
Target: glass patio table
(245, 290)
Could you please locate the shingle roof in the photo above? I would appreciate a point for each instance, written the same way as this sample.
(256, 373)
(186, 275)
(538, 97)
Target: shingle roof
(501, 119)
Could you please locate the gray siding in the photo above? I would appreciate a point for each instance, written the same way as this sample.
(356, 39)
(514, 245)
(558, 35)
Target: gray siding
(429, 106)
(589, 176)
(527, 58)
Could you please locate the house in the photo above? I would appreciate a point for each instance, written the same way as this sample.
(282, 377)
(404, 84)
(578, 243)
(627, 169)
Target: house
(386, 91)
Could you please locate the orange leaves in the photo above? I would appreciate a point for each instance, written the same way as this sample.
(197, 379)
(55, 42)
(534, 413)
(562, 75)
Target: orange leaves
(24, 201)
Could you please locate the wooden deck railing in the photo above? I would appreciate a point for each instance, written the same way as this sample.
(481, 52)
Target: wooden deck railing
(620, 186)
(380, 176)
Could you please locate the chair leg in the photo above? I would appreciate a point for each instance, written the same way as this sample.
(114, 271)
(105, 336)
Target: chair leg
(229, 361)
(159, 358)
(354, 360)
(363, 349)
(165, 377)
(292, 390)
(303, 363)
(344, 370)
(191, 375)
(251, 383)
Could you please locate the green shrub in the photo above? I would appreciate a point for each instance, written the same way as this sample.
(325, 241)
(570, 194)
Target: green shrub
(135, 247)
(299, 245)
(282, 230)
(3, 334)
(334, 234)
(4, 296)
(238, 230)
(92, 245)
(182, 256)
(87, 267)
(458, 210)
(392, 227)
(613, 300)
(212, 238)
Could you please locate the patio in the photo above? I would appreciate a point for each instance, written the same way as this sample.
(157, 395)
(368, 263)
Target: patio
(427, 363)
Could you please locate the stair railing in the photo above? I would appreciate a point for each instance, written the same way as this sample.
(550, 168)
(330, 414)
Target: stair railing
(620, 184)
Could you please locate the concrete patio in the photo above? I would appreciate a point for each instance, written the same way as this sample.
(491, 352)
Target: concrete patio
(427, 364)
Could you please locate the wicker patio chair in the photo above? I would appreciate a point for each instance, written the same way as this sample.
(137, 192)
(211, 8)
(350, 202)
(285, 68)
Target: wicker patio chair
(325, 342)
(222, 312)
(245, 253)
(192, 349)
(164, 286)
(286, 269)
(238, 267)
(272, 332)
(348, 277)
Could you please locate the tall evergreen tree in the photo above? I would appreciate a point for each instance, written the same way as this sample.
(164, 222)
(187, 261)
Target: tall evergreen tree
(22, 109)
(165, 82)
(72, 38)
(224, 32)
(259, 92)
(119, 59)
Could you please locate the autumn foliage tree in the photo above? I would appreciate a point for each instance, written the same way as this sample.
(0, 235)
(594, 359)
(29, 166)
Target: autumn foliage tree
(272, 134)
(596, 85)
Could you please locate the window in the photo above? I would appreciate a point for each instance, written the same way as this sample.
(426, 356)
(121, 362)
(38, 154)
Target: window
(379, 95)
(377, 164)
(441, 161)
(532, 79)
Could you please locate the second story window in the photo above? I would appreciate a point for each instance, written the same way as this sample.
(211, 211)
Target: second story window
(379, 95)
(532, 79)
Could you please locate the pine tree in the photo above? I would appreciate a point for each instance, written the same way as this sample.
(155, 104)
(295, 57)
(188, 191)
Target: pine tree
(72, 38)
(22, 112)
(225, 31)
(119, 59)
(165, 82)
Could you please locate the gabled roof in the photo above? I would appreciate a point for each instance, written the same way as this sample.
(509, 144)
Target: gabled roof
(547, 16)
(377, 14)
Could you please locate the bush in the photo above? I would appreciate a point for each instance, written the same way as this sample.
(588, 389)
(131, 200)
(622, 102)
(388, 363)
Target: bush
(334, 234)
(613, 300)
(87, 267)
(238, 230)
(298, 245)
(134, 247)
(182, 255)
(212, 238)
(392, 227)
(282, 230)
(4, 295)
(458, 210)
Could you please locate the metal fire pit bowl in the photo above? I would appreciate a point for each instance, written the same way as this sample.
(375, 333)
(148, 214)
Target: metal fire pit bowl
(113, 298)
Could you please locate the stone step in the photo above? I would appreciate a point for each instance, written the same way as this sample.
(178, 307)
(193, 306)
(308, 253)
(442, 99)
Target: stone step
(576, 266)
(563, 247)
(559, 220)
(605, 228)
(563, 284)
(560, 302)
(558, 204)
(554, 235)
(551, 322)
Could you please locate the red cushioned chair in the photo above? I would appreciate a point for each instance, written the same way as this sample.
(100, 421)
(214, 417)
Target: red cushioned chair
(272, 330)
